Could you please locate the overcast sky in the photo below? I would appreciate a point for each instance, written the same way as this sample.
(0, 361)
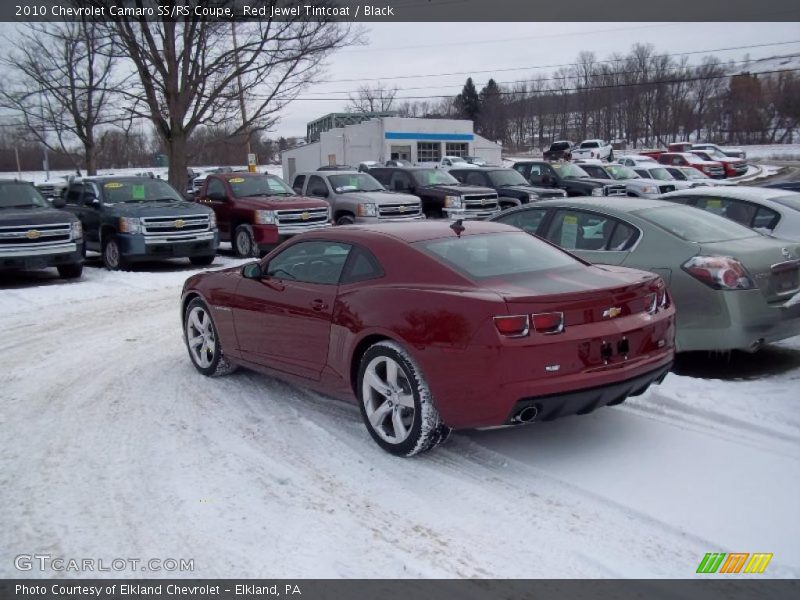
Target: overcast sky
(409, 49)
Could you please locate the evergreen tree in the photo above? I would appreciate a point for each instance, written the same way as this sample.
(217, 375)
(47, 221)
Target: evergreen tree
(468, 104)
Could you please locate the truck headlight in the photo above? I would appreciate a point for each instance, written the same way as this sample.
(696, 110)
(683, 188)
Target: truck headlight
(649, 189)
(212, 220)
(77, 230)
(130, 225)
(597, 191)
(367, 209)
(452, 202)
(265, 217)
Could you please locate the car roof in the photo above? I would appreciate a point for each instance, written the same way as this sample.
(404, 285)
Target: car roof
(415, 231)
(333, 172)
(112, 178)
(752, 193)
(619, 203)
(480, 169)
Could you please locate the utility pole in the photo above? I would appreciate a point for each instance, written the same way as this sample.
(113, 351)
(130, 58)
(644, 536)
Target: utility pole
(46, 160)
(251, 163)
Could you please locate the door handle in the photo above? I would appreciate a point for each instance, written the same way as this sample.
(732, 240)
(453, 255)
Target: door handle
(318, 305)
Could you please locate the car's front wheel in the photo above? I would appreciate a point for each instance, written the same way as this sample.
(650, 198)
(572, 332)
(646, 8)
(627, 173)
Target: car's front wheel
(112, 256)
(396, 402)
(244, 243)
(202, 341)
(346, 219)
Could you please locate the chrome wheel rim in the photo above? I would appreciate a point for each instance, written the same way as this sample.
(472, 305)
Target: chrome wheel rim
(200, 337)
(112, 254)
(243, 243)
(388, 399)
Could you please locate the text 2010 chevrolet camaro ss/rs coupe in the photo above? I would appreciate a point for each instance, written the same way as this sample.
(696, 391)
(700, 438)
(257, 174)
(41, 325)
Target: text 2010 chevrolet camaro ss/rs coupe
(434, 327)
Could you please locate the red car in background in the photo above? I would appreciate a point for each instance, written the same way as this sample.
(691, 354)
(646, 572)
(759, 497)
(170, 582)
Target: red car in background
(711, 168)
(734, 167)
(434, 326)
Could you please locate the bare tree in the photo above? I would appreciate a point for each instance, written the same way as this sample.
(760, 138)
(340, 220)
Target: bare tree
(199, 71)
(373, 98)
(61, 81)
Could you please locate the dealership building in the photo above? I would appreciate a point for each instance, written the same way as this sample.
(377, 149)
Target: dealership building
(384, 138)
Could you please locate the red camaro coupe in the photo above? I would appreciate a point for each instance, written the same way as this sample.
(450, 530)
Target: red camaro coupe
(435, 326)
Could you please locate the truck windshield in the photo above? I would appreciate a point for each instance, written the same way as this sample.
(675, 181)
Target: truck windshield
(590, 145)
(20, 195)
(621, 172)
(247, 186)
(661, 174)
(354, 182)
(506, 177)
(570, 170)
(559, 146)
(434, 177)
(139, 189)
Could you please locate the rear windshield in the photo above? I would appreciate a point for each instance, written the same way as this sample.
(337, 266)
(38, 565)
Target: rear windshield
(696, 225)
(560, 146)
(792, 201)
(496, 254)
(590, 145)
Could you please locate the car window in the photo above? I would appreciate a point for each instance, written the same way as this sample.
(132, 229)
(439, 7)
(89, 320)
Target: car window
(310, 262)
(297, 186)
(766, 218)
(695, 225)
(215, 186)
(316, 187)
(361, 266)
(579, 230)
(400, 182)
(475, 178)
(527, 220)
(735, 210)
(74, 194)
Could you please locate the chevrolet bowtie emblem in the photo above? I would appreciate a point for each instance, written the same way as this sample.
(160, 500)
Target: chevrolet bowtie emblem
(180, 223)
(33, 234)
(402, 208)
(305, 216)
(612, 312)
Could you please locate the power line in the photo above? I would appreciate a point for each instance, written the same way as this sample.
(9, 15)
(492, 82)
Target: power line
(555, 66)
(576, 89)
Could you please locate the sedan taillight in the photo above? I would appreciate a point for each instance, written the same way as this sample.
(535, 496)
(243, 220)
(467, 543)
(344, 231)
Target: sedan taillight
(513, 326)
(548, 323)
(719, 272)
(521, 325)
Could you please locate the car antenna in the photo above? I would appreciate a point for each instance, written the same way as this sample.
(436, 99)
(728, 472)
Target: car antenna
(458, 227)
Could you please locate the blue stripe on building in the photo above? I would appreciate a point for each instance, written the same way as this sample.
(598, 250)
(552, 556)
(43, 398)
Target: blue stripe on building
(433, 137)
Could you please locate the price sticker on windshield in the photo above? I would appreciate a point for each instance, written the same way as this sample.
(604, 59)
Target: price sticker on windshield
(236, 180)
(113, 185)
(569, 231)
(137, 192)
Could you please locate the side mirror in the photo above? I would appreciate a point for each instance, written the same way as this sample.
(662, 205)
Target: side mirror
(58, 202)
(252, 271)
(91, 199)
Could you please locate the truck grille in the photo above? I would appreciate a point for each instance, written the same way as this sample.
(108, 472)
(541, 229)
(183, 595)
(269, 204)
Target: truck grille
(49, 190)
(22, 240)
(614, 190)
(297, 220)
(480, 202)
(666, 188)
(176, 224)
(716, 171)
(403, 210)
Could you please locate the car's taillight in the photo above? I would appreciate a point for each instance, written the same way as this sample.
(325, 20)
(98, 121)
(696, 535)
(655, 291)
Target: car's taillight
(512, 326)
(548, 322)
(651, 303)
(719, 272)
(664, 300)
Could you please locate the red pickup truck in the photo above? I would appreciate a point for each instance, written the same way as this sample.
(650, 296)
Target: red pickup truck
(255, 211)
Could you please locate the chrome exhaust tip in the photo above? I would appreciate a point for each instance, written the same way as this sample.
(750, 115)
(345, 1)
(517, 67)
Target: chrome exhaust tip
(526, 415)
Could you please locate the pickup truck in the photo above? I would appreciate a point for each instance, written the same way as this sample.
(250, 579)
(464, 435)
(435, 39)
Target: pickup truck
(711, 168)
(559, 150)
(451, 162)
(357, 197)
(568, 177)
(35, 235)
(130, 219)
(635, 184)
(733, 152)
(594, 149)
(255, 211)
(442, 195)
(734, 167)
(511, 187)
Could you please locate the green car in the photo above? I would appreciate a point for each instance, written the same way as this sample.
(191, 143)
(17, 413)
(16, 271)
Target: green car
(733, 288)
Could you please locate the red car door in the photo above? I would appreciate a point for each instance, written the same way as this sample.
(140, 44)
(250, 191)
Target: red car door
(283, 320)
(216, 195)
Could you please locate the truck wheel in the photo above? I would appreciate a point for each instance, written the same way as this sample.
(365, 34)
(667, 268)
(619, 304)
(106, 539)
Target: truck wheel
(202, 341)
(244, 243)
(346, 219)
(202, 261)
(396, 402)
(611, 156)
(73, 271)
(112, 257)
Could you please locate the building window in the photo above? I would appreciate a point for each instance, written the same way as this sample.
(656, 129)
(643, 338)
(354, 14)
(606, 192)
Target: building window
(429, 151)
(456, 149)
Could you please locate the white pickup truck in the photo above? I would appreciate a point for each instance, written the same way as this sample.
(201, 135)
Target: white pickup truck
(449, 162)
(594, 149)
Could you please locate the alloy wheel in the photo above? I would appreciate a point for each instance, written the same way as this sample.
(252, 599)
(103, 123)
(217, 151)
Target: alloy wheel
(388, 399)
(200, 337)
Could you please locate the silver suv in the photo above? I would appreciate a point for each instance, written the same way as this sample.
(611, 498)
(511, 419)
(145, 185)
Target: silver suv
(357, 197)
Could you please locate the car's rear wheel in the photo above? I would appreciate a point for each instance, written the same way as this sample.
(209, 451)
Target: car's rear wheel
(202, 261)
(72, 271)
(202, 341)
(244, 243)
(396, 402)
(112, 256)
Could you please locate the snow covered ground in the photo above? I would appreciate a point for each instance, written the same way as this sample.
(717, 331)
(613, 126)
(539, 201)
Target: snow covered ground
(112, 445)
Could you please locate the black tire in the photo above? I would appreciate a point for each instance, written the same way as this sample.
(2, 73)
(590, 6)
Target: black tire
(345, 219)
(244, 242)
(202, 261)
(112, 256)
(425, 428)
(73, 271)
(218, 364)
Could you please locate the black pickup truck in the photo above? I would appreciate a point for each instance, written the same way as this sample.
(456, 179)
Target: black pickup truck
(559, 150)
(511, 187)
(568, 177)
(34, 235)
(141, 218)
(442, 195)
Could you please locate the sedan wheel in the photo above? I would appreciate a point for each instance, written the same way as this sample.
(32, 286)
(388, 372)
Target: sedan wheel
(202, 341)
(396, 403)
